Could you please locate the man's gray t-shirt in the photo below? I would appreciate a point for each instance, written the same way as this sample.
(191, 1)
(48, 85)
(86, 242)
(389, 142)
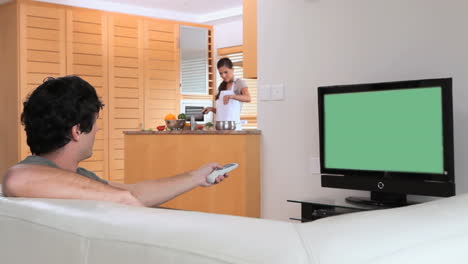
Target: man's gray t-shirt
(37, 160)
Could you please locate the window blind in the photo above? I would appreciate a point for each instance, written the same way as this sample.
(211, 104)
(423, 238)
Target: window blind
(193, 76)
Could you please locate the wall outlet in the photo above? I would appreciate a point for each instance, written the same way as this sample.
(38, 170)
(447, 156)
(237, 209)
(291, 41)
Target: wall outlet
(277, 92)
(264, 92)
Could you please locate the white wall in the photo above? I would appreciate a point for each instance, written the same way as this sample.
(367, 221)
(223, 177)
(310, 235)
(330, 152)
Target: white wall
(228, 34)
(309, 43)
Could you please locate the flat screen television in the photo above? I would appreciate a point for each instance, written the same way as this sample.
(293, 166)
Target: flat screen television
(392, 139)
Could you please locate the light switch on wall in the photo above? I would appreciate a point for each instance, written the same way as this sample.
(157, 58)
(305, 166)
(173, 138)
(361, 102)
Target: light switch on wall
(264, 92)
(277, 92)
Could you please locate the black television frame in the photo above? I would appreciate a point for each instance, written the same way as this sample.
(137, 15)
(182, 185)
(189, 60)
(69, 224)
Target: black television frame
(391, 187)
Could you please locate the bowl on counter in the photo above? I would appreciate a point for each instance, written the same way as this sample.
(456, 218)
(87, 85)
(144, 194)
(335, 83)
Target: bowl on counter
(225, 125)
(175, 124)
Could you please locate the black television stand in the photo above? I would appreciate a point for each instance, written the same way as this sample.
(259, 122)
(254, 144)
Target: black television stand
(319, 208)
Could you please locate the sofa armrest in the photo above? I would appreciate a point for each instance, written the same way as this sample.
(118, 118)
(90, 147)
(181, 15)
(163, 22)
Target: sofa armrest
(366, 236)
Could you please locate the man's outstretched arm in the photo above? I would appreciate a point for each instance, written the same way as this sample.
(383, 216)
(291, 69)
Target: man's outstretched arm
(37, 181)
(155, 192)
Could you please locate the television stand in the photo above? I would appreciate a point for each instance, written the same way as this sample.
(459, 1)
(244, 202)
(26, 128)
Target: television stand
(380, 199)
(319, 208)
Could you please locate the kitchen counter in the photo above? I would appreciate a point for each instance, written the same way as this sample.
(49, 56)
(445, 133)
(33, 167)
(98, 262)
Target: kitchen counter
(196, 132)
(159, 154)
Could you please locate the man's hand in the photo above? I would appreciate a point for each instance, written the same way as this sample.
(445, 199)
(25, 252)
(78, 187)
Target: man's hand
(199, 175)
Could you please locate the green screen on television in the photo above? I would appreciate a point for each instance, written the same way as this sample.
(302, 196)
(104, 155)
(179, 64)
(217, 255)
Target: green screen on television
(391, 130)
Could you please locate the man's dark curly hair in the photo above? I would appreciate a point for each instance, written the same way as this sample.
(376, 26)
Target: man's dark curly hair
(54, 107)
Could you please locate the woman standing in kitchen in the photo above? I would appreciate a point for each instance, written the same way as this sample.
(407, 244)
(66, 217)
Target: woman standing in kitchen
(232, 92)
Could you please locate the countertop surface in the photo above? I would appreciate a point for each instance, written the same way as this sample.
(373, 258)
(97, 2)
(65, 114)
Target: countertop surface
(196, 132)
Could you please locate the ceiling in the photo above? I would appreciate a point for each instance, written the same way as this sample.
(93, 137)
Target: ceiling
(198, 11)
(199, 7)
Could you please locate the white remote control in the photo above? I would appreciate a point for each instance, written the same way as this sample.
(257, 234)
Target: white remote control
(227, 168)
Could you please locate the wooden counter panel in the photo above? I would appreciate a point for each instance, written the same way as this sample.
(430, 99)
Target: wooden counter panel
(158, 156)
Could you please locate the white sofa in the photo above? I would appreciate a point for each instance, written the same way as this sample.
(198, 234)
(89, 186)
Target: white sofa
(70, 231)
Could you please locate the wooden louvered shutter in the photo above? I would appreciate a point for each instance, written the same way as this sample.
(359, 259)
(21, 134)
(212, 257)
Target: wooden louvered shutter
(87, 58)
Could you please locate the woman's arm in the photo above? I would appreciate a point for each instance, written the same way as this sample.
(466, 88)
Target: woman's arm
(243, 97)
(208, 109)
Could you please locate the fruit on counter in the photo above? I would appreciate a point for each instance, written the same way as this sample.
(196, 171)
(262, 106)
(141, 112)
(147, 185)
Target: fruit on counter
(209, 124)
(160, 128)
(182, 116)
(200, 126)
(170, 117)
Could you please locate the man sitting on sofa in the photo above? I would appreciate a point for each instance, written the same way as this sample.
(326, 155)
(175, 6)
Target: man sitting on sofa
(60, 122)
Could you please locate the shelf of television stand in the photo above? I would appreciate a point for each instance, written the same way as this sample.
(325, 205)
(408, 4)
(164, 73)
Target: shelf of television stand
(319, 208)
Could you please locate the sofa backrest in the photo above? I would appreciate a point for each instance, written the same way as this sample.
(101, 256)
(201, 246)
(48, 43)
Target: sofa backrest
(71, 231)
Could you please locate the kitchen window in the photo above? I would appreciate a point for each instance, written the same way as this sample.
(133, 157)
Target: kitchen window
(194, 60)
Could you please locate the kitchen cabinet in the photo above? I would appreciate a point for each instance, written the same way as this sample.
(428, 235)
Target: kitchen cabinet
(9, 90)
(126, 86)
(132, 62)
(161, 53)
(250, 38)
(86, 56)
(42, 53)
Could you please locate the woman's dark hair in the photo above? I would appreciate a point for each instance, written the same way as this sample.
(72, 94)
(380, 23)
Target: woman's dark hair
(54, 107)
(224, 62)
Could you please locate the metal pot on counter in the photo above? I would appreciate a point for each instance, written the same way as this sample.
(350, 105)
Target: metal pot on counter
(225, 125)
